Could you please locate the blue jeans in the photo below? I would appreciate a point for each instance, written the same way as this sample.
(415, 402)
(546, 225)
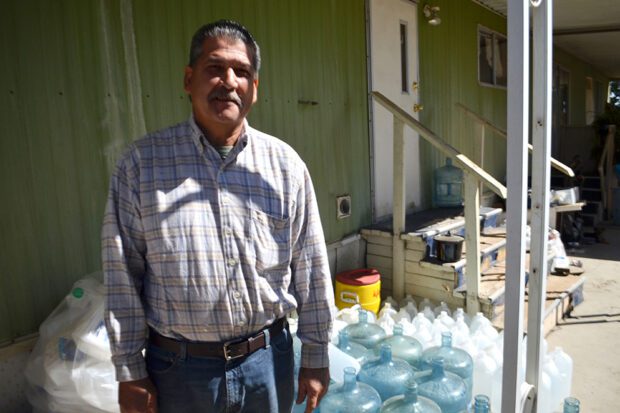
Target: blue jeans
(259, 383)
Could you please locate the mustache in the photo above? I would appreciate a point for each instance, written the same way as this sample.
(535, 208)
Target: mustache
(223, 94)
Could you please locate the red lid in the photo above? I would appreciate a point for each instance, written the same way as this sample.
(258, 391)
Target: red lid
(361, 276)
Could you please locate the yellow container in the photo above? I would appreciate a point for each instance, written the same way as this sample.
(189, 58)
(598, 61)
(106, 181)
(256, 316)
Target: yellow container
(362, 286)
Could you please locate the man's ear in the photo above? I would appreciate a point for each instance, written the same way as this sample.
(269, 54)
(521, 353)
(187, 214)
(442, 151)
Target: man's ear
(255, 97)
(187, 79)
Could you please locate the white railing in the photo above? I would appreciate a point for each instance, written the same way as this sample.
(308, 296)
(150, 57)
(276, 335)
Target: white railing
(486, 124)
(473, 175)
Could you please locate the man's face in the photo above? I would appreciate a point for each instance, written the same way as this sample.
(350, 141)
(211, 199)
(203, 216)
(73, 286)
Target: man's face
(222, 84)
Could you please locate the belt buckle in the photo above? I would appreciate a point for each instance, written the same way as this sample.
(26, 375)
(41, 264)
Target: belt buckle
(229, 351)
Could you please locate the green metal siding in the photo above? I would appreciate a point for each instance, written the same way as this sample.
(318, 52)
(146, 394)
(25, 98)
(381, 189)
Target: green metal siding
(81, 79)
(578, 71)
(449, 75)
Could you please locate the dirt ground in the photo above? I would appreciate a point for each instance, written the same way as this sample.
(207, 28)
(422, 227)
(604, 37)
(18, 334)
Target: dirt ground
(592, 335)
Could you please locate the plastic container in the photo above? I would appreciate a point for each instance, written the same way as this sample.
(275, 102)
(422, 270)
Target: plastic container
(386, 375)
(351, 396)
(564, 364)
(411, 309)
(442, 307)
(455, 360)
(481, 404)
(388, 310)
(338, 361)
(448, 186)
(485, 369)
(410, 402)
(571, 405)
(408, 299)
(363, 332)
(392, 302)
(403, 347)
(446, 389)
(355, 350)
(424, 303)
(361, 286)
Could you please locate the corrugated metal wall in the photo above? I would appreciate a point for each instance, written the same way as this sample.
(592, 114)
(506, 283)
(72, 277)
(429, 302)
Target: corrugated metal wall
(81, 79)
(449, 75)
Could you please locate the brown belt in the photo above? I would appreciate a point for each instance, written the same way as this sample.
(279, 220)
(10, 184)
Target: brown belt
(229, 350)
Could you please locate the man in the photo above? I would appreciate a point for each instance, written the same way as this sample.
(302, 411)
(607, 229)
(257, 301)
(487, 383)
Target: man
(211, 237)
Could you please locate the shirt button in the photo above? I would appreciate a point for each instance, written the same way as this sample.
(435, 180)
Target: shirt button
(232, 262)
(236, 294)
(241, 323)
(227, 232)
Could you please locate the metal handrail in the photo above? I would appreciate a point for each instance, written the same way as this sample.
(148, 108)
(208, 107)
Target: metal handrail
(565, 169)
(467, 164)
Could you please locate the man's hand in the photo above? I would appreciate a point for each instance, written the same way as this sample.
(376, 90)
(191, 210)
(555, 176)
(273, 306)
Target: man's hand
(313, 384)
(138, 396)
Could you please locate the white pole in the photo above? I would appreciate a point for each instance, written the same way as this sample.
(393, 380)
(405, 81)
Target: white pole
(398, 211)
(516, 176)
(541, 158)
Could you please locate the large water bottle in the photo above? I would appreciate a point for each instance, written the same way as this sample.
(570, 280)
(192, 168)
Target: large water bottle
(482, 404)
(571, 405)
(403, 347)
(446, 389)
(555, 396)
(410, 402)
(564, 364)
(408, 299)
(387, 375)
(442, 307)
(485, 368)
(351, 396)
(365, 333)
(355, 350)
(448, 185)
(456, 360)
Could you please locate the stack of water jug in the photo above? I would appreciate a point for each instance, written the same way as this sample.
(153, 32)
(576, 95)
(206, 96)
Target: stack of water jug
(426, 359)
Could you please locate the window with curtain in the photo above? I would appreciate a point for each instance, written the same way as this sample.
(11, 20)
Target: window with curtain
(492, 58)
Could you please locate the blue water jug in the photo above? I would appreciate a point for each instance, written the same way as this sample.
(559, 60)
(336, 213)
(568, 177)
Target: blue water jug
(482, 404)
(571, 405)
(365, 333)
(355, 350)
(410, 402)
(448, 185)
(387, 375)
(456, 361)
(351, 396)
(446, 389)
(403, 347)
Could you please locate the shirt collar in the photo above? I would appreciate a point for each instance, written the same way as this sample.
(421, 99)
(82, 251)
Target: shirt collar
(203, 144)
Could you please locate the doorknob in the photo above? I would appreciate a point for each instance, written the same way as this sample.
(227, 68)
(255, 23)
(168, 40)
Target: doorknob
(418, 108)
(415, 85)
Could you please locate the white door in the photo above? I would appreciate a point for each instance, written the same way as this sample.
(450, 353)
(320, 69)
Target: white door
(394, 73)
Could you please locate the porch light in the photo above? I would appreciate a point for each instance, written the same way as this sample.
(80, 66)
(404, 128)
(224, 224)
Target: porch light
(432, 15)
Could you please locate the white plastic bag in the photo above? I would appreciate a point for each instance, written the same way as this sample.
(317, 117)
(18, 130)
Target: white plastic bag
(70, 368)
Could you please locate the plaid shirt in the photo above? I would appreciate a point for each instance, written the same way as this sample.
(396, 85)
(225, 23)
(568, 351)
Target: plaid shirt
(205, 249)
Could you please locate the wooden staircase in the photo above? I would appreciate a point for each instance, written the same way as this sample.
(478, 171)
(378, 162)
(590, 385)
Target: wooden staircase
(427, 277)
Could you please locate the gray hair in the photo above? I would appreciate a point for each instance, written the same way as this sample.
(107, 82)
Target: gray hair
(228, 29)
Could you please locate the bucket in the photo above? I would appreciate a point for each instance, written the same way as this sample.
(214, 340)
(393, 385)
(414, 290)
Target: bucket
(361, 286)
(449, 247)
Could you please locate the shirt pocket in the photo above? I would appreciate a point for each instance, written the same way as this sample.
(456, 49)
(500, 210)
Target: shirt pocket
(271, 241)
